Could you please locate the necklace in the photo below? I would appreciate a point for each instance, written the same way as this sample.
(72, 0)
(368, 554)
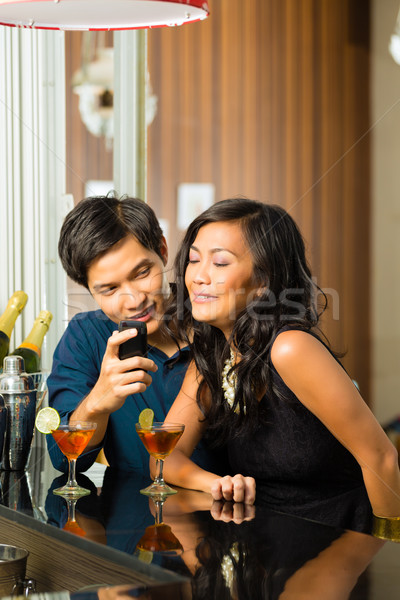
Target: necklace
(228, 565)
(229, 381)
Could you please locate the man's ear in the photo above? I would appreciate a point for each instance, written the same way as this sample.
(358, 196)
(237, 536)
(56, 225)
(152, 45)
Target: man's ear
(164, 250)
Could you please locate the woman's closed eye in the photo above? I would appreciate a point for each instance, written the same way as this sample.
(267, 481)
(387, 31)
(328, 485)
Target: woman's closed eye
(193, 258)
(219, 260)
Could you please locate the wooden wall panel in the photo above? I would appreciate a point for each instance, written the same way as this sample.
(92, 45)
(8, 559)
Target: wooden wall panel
(269, 99)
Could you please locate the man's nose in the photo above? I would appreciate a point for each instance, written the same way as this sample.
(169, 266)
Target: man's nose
(131, 296)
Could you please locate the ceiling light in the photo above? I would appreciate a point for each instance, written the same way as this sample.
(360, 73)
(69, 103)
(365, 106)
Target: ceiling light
(100, 14)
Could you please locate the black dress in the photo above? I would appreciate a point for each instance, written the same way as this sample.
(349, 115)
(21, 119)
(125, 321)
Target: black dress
(299, 466)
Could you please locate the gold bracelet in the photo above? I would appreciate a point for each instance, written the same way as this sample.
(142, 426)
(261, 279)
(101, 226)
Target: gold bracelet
(386, 528)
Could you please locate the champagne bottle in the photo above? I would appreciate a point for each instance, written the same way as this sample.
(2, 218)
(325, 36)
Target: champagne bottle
(30, 349)
(7, 320)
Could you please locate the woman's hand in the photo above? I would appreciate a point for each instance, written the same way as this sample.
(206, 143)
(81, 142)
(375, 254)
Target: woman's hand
(236, 489)
(232, 511)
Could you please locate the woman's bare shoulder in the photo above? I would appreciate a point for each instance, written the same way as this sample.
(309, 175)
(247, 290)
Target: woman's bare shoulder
(293, 344)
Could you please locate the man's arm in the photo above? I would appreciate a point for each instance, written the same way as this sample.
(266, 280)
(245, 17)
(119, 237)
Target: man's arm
(117, 380)
(81, 382)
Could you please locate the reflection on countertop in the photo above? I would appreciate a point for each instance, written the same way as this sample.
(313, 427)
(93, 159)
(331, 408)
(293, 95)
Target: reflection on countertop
(218, 550)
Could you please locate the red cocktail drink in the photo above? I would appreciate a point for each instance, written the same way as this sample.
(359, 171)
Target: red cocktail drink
(159, 538)
(72, 442)
(72, 439)
(159, 440)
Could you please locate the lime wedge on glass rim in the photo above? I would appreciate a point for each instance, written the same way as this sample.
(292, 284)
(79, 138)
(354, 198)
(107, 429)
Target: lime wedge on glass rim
(47, 420)
(145, 556)
(146, 418)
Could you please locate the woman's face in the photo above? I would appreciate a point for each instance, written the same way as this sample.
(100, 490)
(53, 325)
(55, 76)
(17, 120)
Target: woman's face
(127, 282)
(219, 275)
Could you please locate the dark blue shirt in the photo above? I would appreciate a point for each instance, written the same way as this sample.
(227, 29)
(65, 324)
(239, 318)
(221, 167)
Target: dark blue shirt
(76, 368)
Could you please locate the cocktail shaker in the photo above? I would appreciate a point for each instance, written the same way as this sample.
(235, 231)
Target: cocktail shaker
(3, 425)
(18, 392)
(15, 493)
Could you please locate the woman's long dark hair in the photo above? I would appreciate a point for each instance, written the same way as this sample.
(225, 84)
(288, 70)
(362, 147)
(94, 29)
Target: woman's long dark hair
(288, 298)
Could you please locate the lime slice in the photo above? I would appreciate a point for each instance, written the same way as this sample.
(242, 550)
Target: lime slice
(145, 556)
(146, 418)
(47, 420)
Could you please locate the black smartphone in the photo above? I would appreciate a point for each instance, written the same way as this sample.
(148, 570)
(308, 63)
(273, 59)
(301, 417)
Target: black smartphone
(136, 346)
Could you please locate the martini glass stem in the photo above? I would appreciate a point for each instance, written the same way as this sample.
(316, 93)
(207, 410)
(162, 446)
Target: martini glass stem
(159, 471)
(72, 483)
(71, 510)
(159, 506)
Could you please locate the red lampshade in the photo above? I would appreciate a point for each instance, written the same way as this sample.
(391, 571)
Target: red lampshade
(100, 14)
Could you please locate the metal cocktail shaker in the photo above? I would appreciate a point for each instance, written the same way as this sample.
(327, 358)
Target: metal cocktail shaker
(3, 425)
(15, 492)
(18, 392)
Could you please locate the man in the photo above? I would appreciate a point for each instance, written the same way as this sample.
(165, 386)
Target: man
(116, 249)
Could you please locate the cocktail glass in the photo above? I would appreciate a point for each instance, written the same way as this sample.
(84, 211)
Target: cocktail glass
(159, 440)
(158, 537)
(72, 438)
(72, 525)
(40, 383)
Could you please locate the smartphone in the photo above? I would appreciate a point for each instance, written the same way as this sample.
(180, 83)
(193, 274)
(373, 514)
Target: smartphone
(136, 346)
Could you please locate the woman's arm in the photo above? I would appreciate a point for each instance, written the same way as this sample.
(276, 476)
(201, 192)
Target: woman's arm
(179, 469)
(334, 572)
(322, 385)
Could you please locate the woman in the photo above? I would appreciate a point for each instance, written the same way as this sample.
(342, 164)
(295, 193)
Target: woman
(263, 381)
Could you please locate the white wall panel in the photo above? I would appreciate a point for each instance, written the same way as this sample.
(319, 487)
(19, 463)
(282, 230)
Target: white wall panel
(32, 171)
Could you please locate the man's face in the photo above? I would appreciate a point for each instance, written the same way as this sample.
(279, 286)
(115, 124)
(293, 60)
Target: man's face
(126, 282)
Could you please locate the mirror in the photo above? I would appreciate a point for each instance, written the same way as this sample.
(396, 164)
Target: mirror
(89, 126)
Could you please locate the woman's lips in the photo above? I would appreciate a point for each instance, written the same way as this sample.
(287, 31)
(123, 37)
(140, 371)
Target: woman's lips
(203, 298)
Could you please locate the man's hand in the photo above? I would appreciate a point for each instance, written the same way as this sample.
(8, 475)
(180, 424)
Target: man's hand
(236, 489)
(120, 378)
(116, 382)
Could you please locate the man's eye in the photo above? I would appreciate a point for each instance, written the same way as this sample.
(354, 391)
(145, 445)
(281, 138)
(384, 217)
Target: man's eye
(108, 291)
(143, 272)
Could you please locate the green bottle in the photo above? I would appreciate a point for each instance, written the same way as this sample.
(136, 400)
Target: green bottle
(30, 349)
(14, 307)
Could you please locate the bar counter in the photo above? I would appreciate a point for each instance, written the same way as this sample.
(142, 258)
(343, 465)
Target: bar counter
(201, 549)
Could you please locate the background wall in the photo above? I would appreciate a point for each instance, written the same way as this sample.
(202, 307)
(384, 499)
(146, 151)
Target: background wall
(270, 99)
(385, 133)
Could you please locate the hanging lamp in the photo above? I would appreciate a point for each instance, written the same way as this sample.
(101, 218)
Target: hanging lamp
(99, 15)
